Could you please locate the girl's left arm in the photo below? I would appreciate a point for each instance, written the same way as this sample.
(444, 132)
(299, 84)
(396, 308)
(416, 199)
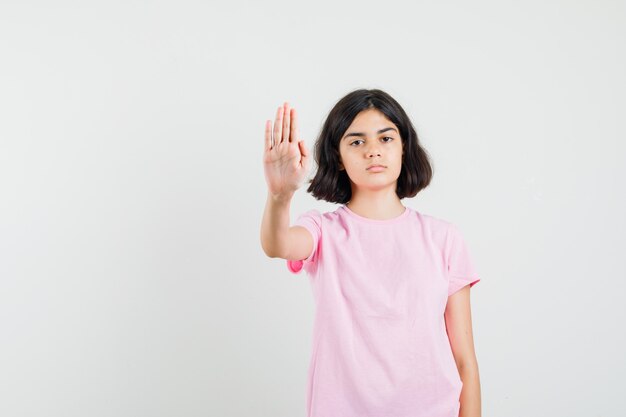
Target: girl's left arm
(459, 327)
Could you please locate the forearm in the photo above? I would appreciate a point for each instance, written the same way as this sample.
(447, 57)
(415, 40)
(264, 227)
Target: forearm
(470, 394)
(275, 224)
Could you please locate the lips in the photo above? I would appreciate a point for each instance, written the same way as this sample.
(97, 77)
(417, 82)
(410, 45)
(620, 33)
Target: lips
(376, 166)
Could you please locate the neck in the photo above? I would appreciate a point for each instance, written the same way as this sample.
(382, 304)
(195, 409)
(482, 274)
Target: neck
(379, 206)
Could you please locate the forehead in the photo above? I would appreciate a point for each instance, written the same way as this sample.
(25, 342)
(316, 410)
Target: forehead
(369, 122)
(370, 119)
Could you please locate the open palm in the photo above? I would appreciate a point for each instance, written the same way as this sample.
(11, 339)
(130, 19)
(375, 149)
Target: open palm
(285, 157)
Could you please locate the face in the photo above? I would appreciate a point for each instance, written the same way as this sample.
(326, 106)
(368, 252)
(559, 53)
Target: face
(371, 139)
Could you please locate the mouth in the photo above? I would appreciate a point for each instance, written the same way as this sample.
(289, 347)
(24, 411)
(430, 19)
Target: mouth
(376, 167)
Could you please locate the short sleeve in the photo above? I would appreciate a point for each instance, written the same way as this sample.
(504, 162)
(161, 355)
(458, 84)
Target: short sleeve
(461, 269)
(312, 221)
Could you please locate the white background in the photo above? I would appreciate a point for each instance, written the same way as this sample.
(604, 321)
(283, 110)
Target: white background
(132, 279)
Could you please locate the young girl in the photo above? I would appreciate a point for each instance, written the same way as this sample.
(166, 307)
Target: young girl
(392, 334)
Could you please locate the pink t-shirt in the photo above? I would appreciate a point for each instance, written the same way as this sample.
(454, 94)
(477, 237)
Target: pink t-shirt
(380, 346)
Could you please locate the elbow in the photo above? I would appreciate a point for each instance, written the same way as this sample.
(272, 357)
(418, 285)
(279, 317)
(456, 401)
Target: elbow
(270, 252)
(467, 363)
(271, 255)
(275, 255)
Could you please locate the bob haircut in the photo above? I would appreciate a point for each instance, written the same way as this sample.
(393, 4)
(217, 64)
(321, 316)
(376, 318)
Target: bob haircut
(332, 184)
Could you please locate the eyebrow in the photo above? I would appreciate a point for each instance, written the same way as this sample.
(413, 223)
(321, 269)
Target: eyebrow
(363, 134)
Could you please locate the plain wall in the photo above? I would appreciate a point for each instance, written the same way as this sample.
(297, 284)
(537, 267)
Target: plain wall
(132, 279)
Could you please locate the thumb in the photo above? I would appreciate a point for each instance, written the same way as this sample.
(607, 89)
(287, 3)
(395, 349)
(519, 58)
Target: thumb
(303, 150)
(304, 161)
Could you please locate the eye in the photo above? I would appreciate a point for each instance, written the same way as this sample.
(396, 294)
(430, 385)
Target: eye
(386, 141)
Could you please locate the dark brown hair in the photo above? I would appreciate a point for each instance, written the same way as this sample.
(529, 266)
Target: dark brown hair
(332, 184)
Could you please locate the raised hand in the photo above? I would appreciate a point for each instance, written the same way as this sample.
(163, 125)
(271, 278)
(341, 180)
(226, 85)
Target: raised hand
(285, 157)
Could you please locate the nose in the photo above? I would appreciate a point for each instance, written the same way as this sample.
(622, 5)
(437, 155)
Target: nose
(372, 153)
(373, 149)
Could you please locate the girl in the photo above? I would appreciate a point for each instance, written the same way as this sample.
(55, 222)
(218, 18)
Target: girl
(392, 334)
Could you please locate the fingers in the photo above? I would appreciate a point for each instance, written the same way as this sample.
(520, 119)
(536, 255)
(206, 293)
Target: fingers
(278, 126)
(294, 135)
(285, 127)
(286, 123)
(268, 135)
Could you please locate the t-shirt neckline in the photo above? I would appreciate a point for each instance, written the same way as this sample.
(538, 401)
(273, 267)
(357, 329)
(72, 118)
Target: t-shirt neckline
(377, 221)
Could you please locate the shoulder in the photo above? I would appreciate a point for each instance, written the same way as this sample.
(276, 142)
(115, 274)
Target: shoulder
(443, 233)
(316, 220)
(437, 227)
(433, 221)
(316, 216)
(323, 217)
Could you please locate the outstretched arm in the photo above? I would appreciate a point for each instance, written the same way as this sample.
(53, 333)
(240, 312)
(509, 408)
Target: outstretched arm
(285, 163)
